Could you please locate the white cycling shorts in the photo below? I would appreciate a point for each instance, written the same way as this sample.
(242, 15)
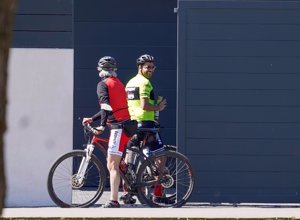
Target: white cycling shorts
(117, 142)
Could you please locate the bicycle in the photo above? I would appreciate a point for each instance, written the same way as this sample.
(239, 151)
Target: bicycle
(77, 179)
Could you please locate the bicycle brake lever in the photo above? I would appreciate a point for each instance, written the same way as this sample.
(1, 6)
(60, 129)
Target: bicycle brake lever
(89, 127)
(98, 130)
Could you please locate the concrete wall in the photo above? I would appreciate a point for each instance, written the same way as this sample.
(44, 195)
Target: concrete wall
(40, 121)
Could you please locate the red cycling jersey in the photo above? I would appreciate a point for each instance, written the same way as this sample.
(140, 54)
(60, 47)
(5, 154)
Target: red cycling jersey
(112, 100)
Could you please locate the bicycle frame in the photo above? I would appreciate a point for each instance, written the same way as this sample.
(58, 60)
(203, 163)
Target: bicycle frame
(101, 144)
(139, 152)
(128, 183)
(84, 163)
(93, 140)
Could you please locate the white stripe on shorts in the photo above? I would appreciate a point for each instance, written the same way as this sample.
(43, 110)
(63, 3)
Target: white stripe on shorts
(114, 142)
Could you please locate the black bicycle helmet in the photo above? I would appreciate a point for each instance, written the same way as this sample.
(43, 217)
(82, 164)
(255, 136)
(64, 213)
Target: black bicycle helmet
(107, 63)
(145, 59)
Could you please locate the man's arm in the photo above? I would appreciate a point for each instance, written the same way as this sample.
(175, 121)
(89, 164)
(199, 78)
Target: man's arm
(103, 96)
(145, 105)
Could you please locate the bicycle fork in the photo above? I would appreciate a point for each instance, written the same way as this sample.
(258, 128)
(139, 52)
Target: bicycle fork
(84, 164)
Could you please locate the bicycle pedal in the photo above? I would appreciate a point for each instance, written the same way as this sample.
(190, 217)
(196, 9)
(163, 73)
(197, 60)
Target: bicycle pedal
(127, 199)
(130, 201)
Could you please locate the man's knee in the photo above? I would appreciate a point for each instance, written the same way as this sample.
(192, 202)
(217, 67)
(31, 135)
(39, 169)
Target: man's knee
(113, 162)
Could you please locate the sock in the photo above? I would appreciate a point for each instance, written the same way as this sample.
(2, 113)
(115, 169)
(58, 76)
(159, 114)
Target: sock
(158, 190)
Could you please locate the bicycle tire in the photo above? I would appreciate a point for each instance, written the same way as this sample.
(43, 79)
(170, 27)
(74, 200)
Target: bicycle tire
(170, 147)
(61, 176)
(178, 181)
(139, 159)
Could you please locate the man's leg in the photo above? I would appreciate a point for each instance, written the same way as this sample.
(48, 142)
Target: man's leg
(114, 152)
(113, 162)
(156, 145)
(160, 163)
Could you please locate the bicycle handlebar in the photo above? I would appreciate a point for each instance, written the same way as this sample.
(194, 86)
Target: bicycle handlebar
(155, 129)
(149, 129)
(90, 128)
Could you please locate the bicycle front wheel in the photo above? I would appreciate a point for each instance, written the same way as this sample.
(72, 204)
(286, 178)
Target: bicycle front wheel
(169, 184)
(65, 187)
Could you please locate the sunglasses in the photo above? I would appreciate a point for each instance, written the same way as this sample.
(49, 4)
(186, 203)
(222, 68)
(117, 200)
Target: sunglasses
(150, 67)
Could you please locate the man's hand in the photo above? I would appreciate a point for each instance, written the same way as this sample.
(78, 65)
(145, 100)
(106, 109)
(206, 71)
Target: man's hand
(162, 105)
(99, 130)
(86, 121)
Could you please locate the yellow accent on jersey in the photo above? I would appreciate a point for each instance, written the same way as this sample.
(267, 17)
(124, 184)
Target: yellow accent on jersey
(138, 87)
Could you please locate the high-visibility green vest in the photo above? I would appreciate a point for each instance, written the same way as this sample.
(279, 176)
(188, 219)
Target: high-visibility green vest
(139, 86)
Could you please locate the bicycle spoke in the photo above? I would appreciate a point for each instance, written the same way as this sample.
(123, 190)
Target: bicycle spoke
(176, 181)
(67, 190)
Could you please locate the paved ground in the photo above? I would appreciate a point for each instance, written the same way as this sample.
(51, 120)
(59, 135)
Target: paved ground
(220, 212)
(191, 210)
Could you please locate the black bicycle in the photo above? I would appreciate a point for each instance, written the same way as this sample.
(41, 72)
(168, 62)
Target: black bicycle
(78, 178)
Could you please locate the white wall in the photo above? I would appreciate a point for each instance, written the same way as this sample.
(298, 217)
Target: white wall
(40, 121)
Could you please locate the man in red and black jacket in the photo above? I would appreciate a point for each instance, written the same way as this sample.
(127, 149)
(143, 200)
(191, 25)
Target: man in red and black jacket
(113, 111)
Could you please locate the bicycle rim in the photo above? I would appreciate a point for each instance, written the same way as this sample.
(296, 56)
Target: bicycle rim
(177, 181)
(63, 187)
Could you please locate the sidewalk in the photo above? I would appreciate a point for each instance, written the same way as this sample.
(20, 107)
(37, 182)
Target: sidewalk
(153, 213)
(138, 211)
(250, 211)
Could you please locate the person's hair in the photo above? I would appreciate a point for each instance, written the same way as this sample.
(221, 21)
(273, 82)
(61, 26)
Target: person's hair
(107, 73)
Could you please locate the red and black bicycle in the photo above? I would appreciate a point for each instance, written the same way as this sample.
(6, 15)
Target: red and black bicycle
(78, 178)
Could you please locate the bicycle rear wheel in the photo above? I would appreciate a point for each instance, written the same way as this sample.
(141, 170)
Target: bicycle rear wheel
(63, 186)
(172, 187)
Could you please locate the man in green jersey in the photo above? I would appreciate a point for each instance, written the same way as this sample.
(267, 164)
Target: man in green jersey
(142, 107)
(140, 94)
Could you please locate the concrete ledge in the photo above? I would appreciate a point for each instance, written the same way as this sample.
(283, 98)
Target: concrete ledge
(216, 212)
(105, 218)
(100, 218)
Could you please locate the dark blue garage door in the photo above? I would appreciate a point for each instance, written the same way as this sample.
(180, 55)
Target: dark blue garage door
(239, 98)
(124, 30)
